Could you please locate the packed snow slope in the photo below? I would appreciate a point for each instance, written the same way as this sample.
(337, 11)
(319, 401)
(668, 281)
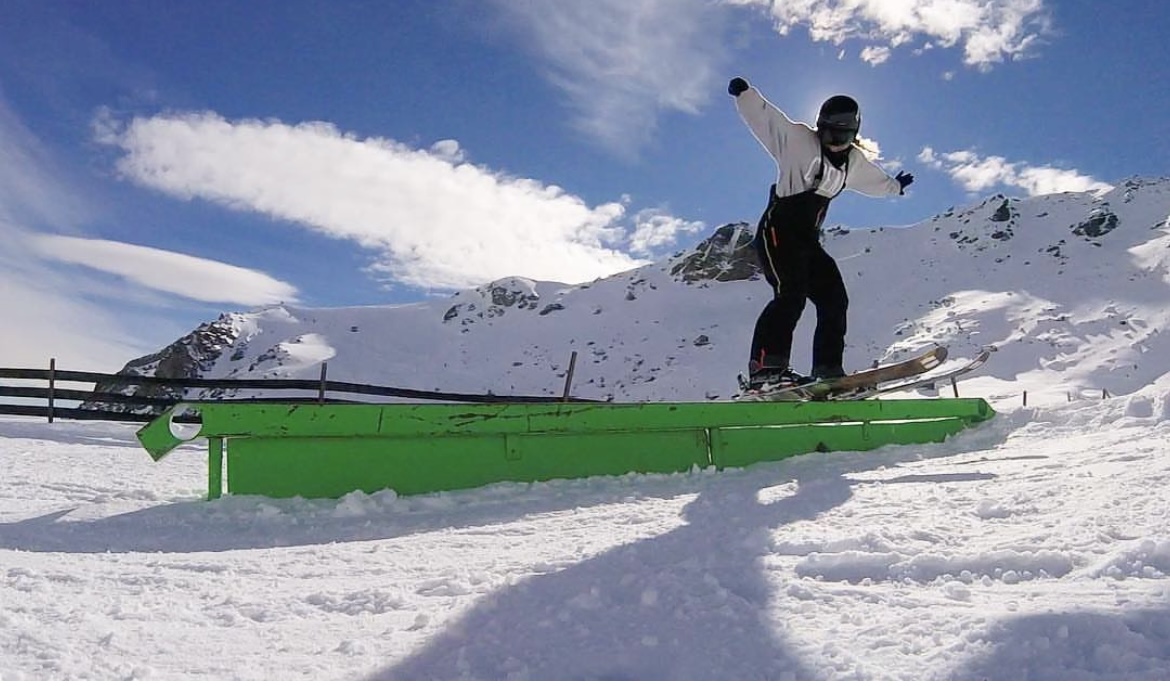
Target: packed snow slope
(1072, 289)
(1032, 546)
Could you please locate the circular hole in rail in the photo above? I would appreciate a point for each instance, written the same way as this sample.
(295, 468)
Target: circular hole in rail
(186, 422)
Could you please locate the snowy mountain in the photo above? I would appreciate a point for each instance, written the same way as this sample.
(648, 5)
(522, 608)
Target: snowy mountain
(1072, 288)
(1032, 546)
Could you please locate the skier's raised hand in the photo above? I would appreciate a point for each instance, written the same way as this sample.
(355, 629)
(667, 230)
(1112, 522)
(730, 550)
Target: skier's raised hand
(904, 179)
(737, 86)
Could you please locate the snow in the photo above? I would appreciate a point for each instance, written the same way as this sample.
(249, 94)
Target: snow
(1032, 546)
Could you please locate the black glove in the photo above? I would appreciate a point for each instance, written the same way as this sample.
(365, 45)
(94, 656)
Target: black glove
(904, 179)
(737, 86)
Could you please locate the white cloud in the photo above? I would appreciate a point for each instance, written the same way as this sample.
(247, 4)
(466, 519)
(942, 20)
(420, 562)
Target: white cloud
(433, 220)
(41, 312)
(45, 315)
(989, 31)
(875, 54)
(50, 308)
(654, 228)
(978, 173)
(169, 272)
(623, 63)
(449, 150)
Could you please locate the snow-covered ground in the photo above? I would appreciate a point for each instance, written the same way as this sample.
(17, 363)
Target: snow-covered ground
(1033, 546)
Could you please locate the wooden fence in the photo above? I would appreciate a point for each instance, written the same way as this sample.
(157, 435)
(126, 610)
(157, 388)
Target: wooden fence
(153, 395)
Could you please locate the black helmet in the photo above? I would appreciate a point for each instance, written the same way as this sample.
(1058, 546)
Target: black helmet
(839, 120)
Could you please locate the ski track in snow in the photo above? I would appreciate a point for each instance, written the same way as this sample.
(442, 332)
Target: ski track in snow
(1033, 546)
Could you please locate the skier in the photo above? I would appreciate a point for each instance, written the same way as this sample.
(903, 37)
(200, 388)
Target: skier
(813, 167)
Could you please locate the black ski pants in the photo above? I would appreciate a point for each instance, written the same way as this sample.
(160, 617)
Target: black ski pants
(797, 267)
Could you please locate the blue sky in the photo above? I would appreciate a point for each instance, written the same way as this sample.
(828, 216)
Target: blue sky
(161, 163)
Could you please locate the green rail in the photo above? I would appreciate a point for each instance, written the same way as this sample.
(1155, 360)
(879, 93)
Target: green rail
(318, 451)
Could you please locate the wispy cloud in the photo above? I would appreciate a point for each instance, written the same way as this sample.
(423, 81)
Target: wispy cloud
(875, 54)
(29, 190)
(45, 315)
(168, 272)
(40, 309)
(988, 31)
(975, 172)
(622, 64)
(50, 308)
(432, 219)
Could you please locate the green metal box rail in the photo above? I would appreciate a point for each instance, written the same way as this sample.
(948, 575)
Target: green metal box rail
(315, 451)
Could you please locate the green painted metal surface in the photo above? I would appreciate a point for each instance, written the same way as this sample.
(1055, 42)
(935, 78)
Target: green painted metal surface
(283, 450)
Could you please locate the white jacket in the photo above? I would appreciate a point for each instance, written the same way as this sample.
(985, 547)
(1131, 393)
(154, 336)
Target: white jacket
(798, 154)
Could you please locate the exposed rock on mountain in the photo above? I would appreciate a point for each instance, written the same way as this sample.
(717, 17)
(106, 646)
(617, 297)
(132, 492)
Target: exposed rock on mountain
(190, 357)
(727, 255)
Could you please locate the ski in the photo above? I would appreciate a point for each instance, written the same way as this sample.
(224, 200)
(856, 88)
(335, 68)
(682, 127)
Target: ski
(948, 375)
(851, 385)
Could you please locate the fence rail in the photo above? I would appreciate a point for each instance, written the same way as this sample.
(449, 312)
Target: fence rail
(152, 395)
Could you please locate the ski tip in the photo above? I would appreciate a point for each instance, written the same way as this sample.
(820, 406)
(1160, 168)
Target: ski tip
(934, 357)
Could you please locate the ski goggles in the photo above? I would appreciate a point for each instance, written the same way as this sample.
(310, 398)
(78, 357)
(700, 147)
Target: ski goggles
(837, 136)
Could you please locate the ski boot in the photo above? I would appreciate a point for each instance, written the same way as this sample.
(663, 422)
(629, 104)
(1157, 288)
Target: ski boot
(824, 372)
(764, 379)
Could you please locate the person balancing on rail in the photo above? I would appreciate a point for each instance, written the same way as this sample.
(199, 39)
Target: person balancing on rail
(813, 167)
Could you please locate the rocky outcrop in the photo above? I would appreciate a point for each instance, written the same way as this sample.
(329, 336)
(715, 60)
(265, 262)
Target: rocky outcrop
(1100, 222)
(187, 358)
(727, 255)
(493, 300)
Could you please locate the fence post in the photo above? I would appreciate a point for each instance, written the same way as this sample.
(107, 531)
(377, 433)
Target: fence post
(569, 376)
(321, 388)
(1025, 398)
(52, 382)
